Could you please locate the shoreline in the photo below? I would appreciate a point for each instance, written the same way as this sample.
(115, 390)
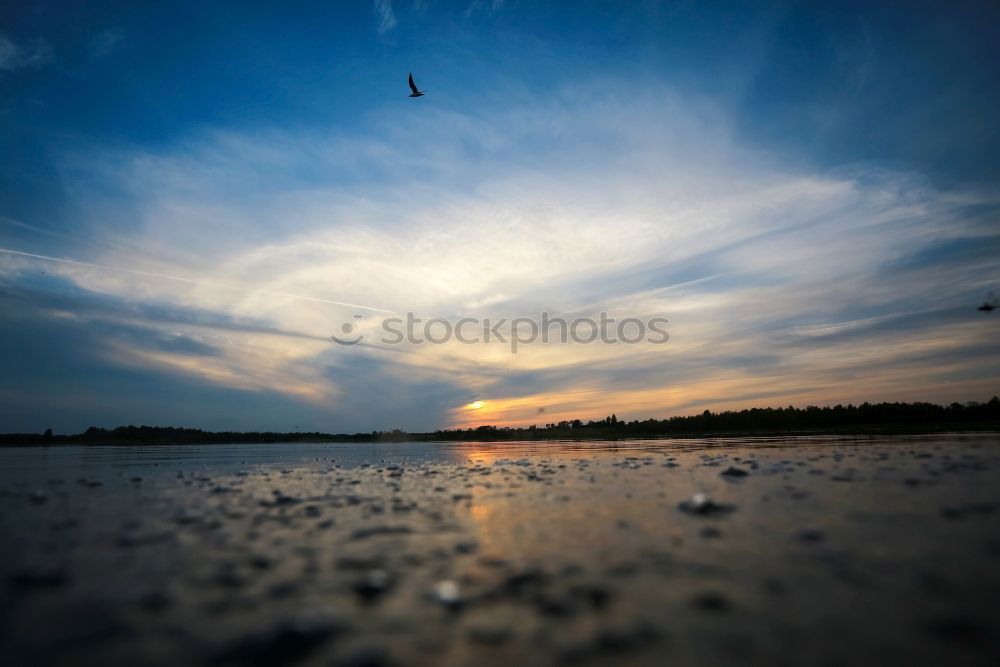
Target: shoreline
(35, 440)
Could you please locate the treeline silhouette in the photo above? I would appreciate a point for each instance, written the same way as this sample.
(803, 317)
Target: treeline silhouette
(179, 436)
(895, 417)
(867, 417)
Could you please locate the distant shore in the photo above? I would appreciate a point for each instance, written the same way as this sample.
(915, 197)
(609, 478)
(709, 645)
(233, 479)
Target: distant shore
(864, 419)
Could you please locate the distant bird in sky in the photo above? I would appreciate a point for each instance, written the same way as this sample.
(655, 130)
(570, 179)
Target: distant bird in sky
(989, 304)
(413, 87)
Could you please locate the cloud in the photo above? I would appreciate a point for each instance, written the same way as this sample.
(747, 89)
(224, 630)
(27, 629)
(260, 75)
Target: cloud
(783, 283)
(386, 17)
(481, 5)
(105, 42)
(86, 358)
(14, 57)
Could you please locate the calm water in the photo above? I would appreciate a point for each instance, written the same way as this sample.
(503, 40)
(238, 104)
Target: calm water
(20, 466)
(815, 550)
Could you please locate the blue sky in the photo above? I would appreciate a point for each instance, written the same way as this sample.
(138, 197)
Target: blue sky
(808, 193)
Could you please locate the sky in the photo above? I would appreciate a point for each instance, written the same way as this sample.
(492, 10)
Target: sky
(195, 196)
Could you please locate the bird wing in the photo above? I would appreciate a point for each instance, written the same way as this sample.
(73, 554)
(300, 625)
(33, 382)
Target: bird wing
(413, 86)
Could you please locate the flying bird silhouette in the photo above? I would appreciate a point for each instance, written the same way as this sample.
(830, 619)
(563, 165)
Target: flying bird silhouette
(989, 304)
(413, 87)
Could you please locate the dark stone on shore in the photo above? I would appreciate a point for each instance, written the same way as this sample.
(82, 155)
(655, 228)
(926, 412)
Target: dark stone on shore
(732, 473)
(377, 531)
(626, 569)
(626, 639)
(186, 518)
(360, 563)
(154, 601)
(595, 595)
(552, 605)
(490, 635)
(82, 626)
(368, 656)
(810, 536)
(132, 539)
(957, 629)
(229, 578)
(711, 601)
(261, 562)
(283, 589)
(517, 584)
(969, 509)
(284, 643)
(39, 579)
(613, 641)
(466, 547)
(372, 584)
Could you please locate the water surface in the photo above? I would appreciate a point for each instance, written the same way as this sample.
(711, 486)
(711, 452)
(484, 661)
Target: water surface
(831, 550)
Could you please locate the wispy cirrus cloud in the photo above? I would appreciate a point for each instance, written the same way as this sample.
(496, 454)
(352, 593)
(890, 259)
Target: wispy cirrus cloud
(105, 42)
(13, 56)
(386, 17)
(782, 283)
(489, 6)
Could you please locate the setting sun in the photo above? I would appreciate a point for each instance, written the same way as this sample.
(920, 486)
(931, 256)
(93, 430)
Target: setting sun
(476, 405)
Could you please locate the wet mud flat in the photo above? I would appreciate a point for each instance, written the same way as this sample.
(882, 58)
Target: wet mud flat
(834, 552)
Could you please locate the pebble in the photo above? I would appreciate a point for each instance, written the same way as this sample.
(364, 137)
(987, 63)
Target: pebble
(367, 656)
(701, 505)
(595, 595)
(446, 592)
(968, 509)
(39, 578)
(377, 531)
(490, 634)
(154, 601)
(809, 536)
(372, 584)
(282, 643)
(711, 601)
(957, 629)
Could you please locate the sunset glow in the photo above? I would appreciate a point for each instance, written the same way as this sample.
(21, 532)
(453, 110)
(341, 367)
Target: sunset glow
(220, 255)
